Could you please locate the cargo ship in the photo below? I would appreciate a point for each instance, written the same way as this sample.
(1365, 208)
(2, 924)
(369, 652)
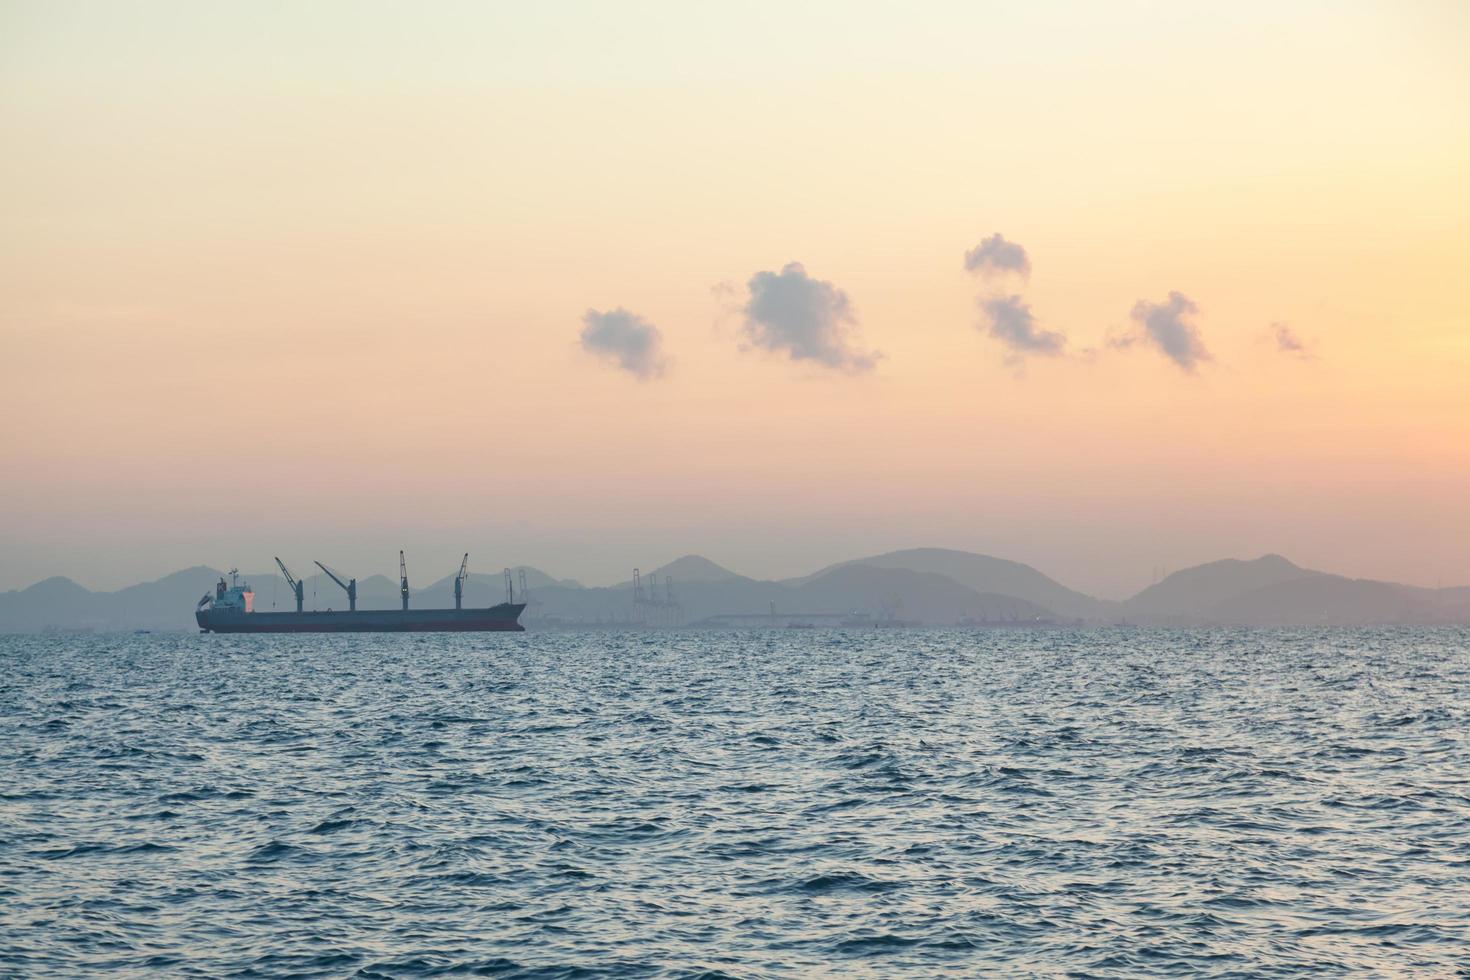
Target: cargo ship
(231, 609)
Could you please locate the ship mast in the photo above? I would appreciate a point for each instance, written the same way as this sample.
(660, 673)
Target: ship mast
(297, 586)
(459, 581)
(350, 586)
(403, 580)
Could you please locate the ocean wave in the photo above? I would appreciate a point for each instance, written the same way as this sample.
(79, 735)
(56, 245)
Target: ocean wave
(558, 805)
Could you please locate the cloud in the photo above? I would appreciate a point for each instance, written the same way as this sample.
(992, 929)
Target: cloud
(809, 319)
(995, 256)
(1011, 322)
(1287, 342)
(1167, 326)
(627, 339)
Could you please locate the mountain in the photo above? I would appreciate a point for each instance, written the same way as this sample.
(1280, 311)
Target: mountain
(690, 569)
(537, 579)
(901, 593)
(44, 604)
(1272, 591)
(694, 568)
(1196, 591)
(167, 603)
(52, 590)
(930, 585)
(878, 592)
(59, 603)
(1318, 599)
(984, 574)
(696, 600)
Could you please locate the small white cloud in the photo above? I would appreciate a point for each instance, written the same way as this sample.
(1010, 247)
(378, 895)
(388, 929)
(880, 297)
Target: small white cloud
(1009, 320)
(627, 340)
(1287, 342)
(995, 256)
(809, 319)
(1168, 327)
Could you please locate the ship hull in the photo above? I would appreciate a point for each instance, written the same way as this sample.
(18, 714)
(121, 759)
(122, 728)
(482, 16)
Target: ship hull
(504, 617)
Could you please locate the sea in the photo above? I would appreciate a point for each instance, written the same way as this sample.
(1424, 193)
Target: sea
(865, 803)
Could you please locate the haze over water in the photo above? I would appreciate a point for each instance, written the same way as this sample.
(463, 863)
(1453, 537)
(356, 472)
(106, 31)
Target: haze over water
(736, 804)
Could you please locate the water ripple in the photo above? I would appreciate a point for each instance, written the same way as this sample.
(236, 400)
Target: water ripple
(928, 803)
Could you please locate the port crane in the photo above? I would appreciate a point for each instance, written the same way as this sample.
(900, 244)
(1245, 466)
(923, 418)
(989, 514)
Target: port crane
(297, 586)
(403, 579)
(349, 586)
(459, 581)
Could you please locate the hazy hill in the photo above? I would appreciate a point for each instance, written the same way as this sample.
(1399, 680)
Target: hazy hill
(894, 592)
(695, 568)
(167, 603)
(990, 588)
(697, 599)
(1319, 599)
(984, 574)
(1197, 591)
(950, 586)
(900, 593)
(688, 570)
(60, 603)
(1272, 591)
(52, 602)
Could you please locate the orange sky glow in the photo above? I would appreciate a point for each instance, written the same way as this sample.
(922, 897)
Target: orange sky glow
(312, 280)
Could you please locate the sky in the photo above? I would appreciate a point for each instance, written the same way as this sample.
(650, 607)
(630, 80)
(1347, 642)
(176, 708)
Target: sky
(1109, 289)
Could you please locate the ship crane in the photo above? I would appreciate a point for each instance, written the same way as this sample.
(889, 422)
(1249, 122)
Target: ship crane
(403, 580)
(349, 586)
(459, 581)
(297, 586)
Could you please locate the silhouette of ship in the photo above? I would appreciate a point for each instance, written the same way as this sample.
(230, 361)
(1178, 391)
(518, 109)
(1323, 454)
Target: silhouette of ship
(231, 609)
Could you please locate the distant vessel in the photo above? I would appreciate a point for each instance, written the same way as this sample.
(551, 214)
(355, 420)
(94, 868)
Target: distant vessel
(231, 609)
